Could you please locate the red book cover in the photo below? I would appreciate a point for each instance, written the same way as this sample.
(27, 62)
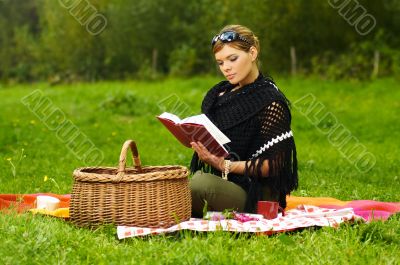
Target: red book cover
(190, 132)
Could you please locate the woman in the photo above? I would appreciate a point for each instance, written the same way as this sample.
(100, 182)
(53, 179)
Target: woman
(251, 111)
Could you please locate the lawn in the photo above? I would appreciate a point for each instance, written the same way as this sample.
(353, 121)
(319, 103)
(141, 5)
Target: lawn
(108, 113)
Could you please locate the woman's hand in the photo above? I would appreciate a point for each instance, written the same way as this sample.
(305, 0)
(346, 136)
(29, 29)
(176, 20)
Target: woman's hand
(205, 156)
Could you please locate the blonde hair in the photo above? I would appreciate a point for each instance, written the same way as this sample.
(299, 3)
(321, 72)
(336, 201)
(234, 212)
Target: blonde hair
(240, 45)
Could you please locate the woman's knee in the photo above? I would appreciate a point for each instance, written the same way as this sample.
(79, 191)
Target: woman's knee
(205, 182)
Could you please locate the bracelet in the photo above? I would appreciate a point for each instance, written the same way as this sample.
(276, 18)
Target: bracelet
(227, 168)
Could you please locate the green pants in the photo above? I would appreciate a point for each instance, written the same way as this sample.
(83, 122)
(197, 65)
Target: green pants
(219, 194)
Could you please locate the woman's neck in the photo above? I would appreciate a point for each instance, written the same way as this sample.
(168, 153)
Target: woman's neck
(251, 77)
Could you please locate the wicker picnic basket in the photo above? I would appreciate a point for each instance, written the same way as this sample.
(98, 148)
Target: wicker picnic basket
(149, 196)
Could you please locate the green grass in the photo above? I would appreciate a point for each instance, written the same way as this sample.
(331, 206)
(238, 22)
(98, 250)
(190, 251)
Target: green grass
(108, 113)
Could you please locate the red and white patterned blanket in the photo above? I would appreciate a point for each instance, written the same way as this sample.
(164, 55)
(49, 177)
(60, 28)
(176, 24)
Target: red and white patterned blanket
(301, 217)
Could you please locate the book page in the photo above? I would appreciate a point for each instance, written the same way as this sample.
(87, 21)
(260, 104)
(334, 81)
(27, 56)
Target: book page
(203, 120)
(171, 117)
(194, 119)
(214, 131)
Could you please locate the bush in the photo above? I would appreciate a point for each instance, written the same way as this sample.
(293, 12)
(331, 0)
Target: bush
(357, 63)
(122, 103)
(182, 61)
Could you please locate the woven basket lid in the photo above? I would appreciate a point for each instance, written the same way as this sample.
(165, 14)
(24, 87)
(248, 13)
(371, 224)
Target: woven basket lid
(134, 174)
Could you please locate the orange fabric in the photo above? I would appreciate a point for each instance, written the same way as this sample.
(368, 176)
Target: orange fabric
(367, 209)
(24, 202)
(293, 201)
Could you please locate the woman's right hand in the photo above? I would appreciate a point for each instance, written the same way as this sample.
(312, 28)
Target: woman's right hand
(216, 162)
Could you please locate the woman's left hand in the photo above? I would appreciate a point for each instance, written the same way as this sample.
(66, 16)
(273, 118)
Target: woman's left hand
(205, 156)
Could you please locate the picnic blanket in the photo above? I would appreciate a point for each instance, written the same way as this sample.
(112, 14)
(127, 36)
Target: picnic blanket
(26, 202)
(301, 217)
(368, 209)
(301, 212)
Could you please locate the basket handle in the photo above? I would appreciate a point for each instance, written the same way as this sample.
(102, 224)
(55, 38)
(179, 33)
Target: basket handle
(122, 158)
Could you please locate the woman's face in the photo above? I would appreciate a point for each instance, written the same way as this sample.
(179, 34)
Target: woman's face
(234, 64)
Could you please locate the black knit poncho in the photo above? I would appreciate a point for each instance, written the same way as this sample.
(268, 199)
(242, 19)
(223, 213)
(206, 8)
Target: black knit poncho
(256, 118)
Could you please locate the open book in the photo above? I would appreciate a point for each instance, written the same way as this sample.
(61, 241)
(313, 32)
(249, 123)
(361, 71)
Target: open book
(197, 128)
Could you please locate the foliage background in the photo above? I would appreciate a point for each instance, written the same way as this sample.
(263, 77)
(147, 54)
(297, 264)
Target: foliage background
(41, 40)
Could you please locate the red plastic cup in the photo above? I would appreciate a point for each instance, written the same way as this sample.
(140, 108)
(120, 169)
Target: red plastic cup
(268, 209)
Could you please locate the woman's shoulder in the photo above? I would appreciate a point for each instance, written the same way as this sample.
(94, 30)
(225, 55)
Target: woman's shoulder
(273, 91)
(269, 82)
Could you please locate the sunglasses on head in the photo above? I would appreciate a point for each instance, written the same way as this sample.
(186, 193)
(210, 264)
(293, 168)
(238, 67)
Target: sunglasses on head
(228, 36)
